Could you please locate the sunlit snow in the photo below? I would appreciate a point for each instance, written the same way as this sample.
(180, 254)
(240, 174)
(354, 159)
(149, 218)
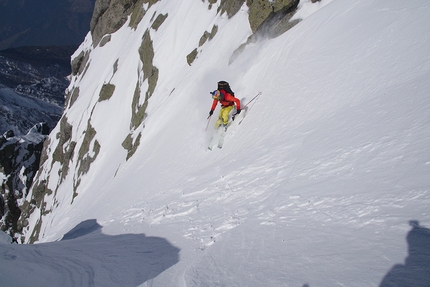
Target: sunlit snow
(324, 183)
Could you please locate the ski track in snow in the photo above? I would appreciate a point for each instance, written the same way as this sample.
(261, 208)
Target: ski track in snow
(271, 208)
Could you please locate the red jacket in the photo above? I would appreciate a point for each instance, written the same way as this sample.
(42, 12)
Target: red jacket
(227, 100)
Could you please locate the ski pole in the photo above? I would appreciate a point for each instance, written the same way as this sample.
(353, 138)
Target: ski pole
(259, 93)
(245, 106)
(209, 119)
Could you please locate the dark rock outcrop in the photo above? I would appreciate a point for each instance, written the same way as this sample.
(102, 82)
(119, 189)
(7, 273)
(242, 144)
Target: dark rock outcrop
(267, 19)
(19, 162)
(110, 15)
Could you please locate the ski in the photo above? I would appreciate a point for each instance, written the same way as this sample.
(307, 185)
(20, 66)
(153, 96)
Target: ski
(212, 142)
(210, 147)
(215, 137)
(221, 138)
(246, 108)
(218, 135)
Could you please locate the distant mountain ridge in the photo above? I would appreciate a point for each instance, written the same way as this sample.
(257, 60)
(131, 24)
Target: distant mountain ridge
(48, 60)
(41, 55)
(44, 23)
(32, 85)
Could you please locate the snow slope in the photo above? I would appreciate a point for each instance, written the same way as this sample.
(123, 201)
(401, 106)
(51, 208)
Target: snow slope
(319, 185)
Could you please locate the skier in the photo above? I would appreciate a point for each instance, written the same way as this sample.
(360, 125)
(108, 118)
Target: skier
(225, 96)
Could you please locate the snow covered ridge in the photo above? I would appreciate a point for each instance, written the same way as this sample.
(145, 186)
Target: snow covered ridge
(325, 183)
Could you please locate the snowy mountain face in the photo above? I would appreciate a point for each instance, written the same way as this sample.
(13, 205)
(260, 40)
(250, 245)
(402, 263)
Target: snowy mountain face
(107, 18)
(324, 183)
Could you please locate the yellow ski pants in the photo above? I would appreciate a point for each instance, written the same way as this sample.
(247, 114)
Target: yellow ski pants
(223, 116)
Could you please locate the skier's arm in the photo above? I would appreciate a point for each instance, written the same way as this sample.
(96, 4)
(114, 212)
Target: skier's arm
(236, 101)
(230, 98)
(215, 102)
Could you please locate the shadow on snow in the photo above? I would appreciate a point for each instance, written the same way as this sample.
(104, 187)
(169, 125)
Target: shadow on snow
(416, 270)
(86, 257)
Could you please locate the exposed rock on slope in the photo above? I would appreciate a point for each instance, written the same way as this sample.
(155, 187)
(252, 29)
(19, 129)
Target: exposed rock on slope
(267, 19)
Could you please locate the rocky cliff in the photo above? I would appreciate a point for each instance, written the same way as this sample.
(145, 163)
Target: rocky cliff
(19, 162)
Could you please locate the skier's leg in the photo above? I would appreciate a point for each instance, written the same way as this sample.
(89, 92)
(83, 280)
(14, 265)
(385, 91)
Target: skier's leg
(225, 111)
(219, 121)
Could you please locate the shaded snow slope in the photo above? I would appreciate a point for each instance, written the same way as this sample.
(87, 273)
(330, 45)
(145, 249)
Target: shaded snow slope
(86, 257)
(317, 186)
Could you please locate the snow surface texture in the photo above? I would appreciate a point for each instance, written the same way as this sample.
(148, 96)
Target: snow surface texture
(325, 182)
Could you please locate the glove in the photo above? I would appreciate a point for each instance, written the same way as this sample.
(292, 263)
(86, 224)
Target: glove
(211, 112)
(238, 111)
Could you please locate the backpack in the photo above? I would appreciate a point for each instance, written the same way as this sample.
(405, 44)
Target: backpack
(223, 85)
